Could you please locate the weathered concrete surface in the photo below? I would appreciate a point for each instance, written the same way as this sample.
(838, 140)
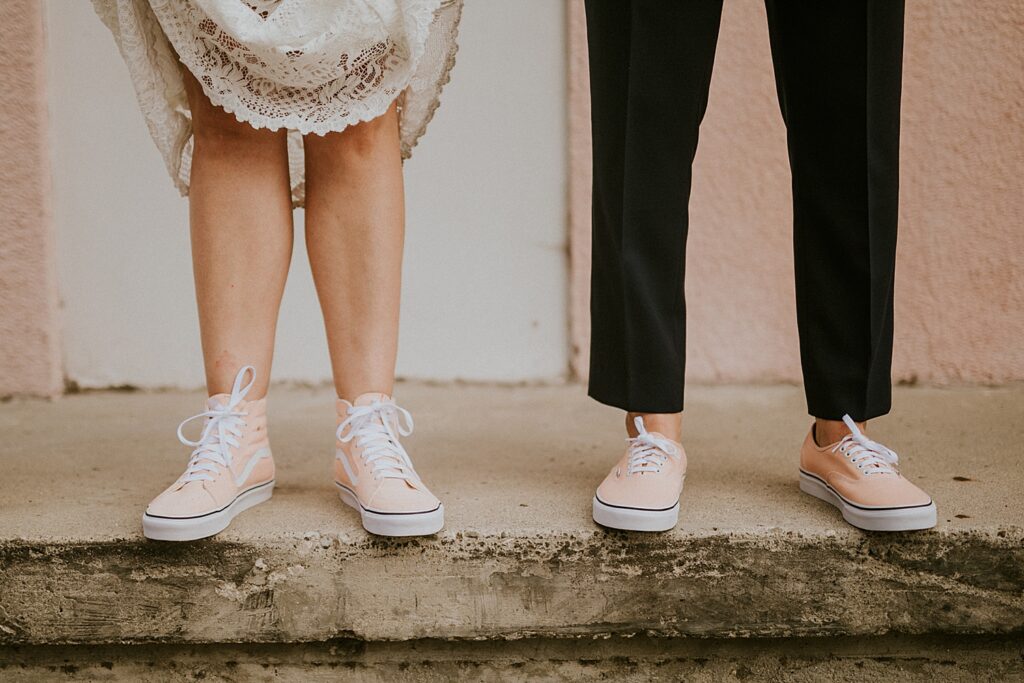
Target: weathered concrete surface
(519, 556)
(861, 660)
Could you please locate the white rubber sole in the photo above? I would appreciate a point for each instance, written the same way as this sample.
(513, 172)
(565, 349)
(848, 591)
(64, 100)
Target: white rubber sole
(397, 524)
(634, 519)
(194, 528)
(872, 519)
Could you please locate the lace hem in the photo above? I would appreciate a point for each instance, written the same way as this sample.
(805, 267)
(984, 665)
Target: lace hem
(451, 36)
(409, 60)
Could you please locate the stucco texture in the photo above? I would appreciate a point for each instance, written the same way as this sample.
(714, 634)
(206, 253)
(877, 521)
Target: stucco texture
(959, 289)
(29, 344)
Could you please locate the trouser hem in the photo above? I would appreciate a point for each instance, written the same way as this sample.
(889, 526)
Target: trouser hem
(833, 413)
(616, 400)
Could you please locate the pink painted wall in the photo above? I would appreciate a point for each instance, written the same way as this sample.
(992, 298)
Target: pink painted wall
(960, 280)
(29, 339)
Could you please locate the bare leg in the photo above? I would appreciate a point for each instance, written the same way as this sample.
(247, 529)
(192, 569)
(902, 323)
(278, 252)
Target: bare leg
(666, 424)
(670, 424)
(240, 211)
(355, 232)
(829, 431)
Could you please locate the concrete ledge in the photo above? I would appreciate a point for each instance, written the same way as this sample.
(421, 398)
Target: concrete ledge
(519, 557)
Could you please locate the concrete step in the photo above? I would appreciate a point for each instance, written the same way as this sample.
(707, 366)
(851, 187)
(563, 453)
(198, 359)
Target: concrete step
(519, 557)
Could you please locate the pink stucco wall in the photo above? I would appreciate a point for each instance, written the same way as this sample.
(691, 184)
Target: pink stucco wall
(29, 341)
(960, 280)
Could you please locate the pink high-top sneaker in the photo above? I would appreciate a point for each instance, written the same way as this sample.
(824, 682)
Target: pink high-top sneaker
(231, 469)
(859, 476)
(642, 491)
(375, 475)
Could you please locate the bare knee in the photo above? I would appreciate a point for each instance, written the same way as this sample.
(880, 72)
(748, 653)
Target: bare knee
(367, 137)
(221, 131)
(359, 142)
(216, 129)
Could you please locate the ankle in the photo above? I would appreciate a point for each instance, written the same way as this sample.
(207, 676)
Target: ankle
(827, 432)
(669, 425)
(351, 392)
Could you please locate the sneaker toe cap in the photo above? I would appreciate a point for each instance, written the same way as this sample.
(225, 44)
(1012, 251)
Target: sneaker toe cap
(395, 496)
(190, 500)
(892, 491)
(637, 493)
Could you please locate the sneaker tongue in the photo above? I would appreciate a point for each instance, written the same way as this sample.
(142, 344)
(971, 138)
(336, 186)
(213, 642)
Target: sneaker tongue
(367, 399)
(217, 401)
(659, 435)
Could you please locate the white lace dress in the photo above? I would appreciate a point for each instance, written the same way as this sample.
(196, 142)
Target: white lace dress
(310, 66)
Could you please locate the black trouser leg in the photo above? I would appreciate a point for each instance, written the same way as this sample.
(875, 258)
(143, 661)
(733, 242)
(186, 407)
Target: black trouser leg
(650, 68)
(838, 68)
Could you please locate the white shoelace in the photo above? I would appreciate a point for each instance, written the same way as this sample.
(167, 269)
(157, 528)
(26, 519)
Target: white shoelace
(222, 431)
(376, 428)
(647, 452)
(869, 456)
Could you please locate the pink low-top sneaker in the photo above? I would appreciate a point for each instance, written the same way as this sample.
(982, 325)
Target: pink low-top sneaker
(642, 491)
(231, 469)
(859, 476)
(375, 475)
